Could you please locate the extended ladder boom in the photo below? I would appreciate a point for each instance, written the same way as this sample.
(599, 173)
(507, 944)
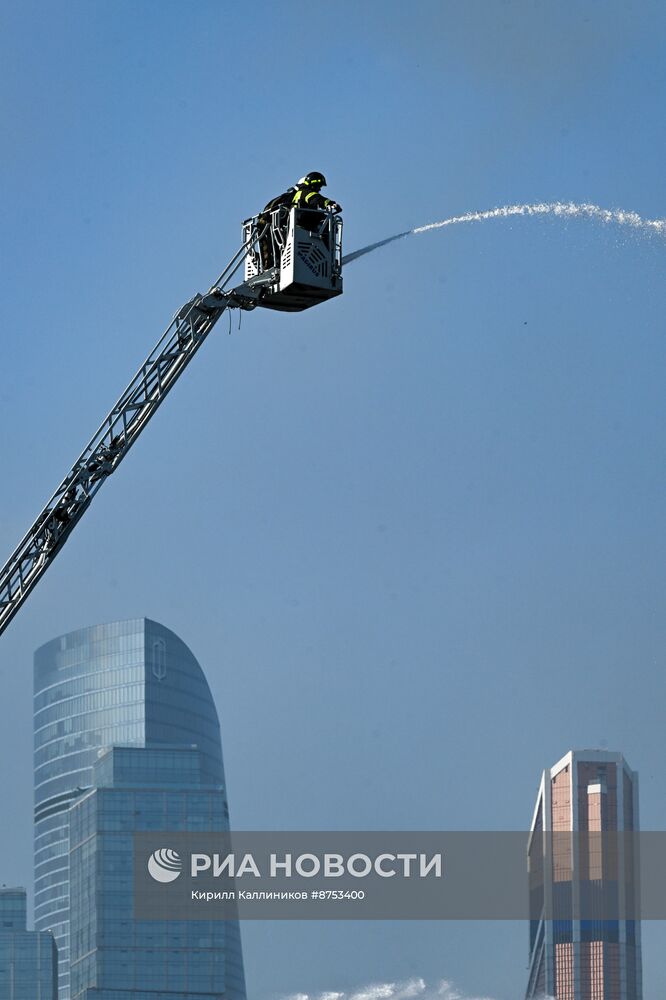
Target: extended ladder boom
(113, 439)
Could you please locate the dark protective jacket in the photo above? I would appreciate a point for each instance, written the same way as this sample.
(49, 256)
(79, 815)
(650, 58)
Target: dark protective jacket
(286, 198)
(306, 198)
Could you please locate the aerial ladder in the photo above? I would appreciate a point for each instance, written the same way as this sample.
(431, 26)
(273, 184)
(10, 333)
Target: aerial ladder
(293, 260)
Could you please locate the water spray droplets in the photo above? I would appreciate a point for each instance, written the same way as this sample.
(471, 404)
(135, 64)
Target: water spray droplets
(558, 209)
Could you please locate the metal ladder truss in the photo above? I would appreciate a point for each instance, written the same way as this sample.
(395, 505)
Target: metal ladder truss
(115, 436)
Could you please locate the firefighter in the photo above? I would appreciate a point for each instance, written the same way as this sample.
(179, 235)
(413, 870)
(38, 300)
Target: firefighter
(308, 193)
(308, 196)
(266, 248)
(286, 199)
(305, 194)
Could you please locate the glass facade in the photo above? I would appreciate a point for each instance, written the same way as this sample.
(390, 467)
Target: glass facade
(133, 684)
(28, 969)
(13, 910)
(111, 954)
(590, 791)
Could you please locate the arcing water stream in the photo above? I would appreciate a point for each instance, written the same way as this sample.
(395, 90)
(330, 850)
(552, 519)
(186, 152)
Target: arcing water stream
(561, 209)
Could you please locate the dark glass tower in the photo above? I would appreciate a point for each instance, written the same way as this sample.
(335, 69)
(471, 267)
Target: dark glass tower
(28, 961)
(130, 684)
(112, 955)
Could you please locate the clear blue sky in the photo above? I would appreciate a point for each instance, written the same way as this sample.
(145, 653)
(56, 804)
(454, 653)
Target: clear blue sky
(415, 536)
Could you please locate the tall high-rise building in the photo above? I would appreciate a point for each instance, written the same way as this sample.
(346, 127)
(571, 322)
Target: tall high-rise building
(125, 684)
(28, 960)
(113, 955)
(586, 792)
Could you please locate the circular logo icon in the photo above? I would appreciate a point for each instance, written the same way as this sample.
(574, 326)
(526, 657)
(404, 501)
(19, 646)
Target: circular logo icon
(165, 865)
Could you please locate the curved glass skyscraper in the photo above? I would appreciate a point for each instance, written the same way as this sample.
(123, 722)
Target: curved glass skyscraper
(131, 683)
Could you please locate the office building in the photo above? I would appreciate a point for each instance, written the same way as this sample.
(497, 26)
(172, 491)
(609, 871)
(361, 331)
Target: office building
(28, 961)
(597, 957)
(113, 955)
(131, 684)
